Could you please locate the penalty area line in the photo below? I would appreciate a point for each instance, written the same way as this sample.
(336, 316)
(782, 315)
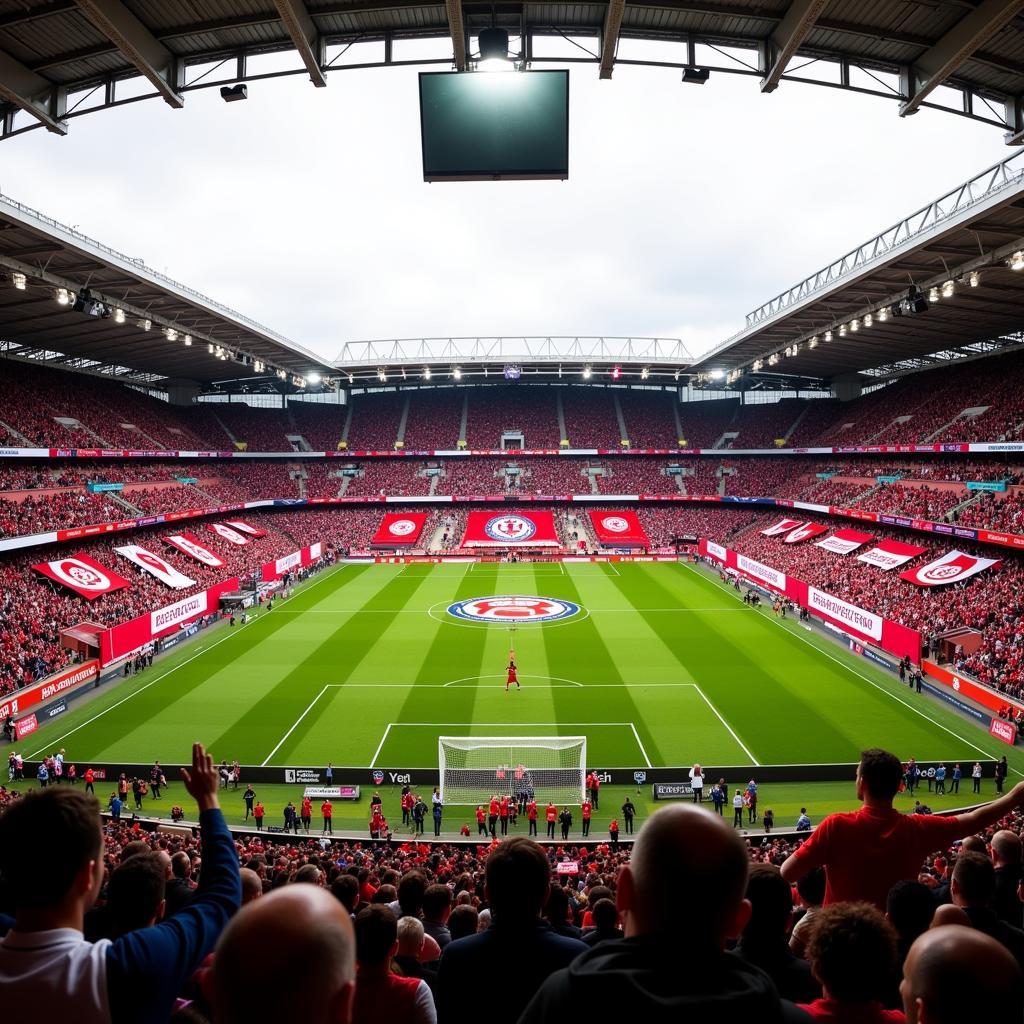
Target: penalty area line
(636, 736)
(380, 746)
(732, 732)
(295, 724)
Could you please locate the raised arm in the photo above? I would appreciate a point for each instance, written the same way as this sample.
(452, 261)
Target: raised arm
(989, 814)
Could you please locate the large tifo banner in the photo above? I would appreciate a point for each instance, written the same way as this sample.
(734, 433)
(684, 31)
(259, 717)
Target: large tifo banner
(289, 563)
(619, 529)
(155, 566)
(189, 545)
(399, 530)
(842, 542)
(805, 531)
(133, 635)
(82, 574)
(952, 567)
(846, 617)
(510, 529)
(888, 554)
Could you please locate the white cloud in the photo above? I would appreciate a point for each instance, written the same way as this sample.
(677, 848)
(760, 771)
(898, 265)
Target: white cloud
(306, 208)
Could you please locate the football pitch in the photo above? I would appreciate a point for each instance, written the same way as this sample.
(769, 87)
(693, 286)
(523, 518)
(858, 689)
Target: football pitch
(657, 664)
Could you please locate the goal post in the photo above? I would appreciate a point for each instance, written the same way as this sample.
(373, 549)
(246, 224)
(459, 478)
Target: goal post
(544, 768)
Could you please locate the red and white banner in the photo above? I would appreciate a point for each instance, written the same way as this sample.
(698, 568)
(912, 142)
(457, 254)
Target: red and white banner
(952, 567)
(155, 566)
(399, 530)
(131, 636)
(1003, 730)
(856, 622)
(253, 531)
(619, 529)
(82, 574)
(188, 544)
(782, 526)
(510, 529)
(24, 726)
(20, 702)
(225, 531)
(888, 554)
(842, 542)
(288, 563)
(806, 531)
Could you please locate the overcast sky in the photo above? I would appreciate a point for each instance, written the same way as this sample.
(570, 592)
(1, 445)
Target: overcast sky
(686, 207)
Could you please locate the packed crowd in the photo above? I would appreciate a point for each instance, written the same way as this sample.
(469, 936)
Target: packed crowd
(494, 410)
(877, 917)
(590, 419)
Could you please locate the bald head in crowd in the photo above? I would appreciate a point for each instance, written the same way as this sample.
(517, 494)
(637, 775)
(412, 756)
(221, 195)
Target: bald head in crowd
(252, 885)
(955, 974)
(299, 944)
(687, 865)
(1006, 848)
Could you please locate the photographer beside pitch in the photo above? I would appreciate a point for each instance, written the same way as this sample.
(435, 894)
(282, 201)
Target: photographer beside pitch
(51, 857)
(866, 852)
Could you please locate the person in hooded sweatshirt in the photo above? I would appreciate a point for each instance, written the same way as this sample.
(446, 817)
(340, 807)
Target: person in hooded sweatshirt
(681, 897)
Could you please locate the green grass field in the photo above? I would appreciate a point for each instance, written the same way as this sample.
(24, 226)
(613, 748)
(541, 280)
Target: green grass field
(663, 666)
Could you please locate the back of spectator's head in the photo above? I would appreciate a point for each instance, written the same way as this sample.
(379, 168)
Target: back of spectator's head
(771, 903)
(557, 908)
(181, 864)
(136, 846)
(462, 921)
(685, 842)
(605, 915)
(376, 936)
(252, 885)
(910, 907)
(410, 893)
(812, 888)
(51, 849)
(518, 880)
(288, 956)
(975, 844)
(974, 881)
(385, 894)
(879, 774)
(852, 951)
(410, 936)
(955, 974)
(437, 901)
(308, 873)
(1007, 848)
(135, 893)
(345, 889)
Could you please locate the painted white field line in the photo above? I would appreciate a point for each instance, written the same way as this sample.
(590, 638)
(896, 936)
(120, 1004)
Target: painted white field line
(560, 681)
(882, 689)
(732, 732)
(568, 684)
(380, 746)
(505, 725)
(202, 650)
(295, 724)
(640, 745)
(420, 611)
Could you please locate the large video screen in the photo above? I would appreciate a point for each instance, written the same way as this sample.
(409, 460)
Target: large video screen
(481, 125)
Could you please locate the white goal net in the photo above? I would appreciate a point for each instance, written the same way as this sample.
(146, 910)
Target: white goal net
(541, 768)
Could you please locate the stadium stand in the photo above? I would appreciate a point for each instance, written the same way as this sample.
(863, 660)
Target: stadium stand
(590, 419)
(375, 420)
(492, 410)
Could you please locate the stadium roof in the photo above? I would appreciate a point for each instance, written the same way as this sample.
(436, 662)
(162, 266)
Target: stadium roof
(44, 262)
(60, 59)
(964, 253)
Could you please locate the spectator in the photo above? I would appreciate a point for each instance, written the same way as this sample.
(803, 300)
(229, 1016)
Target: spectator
(853, 955)
(910, 908)
(973, 888)
(290, 956)
(345, 889)
(605, 916)
(181, 888)
(763, 942)
(51, 858)
(557, 913)
(1006, 859)
(866, 852)
(811, 890)
(517, 884)
(668, 925)
(135, 899)
(437, 905)
(462, 921)
(252, 886)
(955, 974)
(411, 946)
(381, 995)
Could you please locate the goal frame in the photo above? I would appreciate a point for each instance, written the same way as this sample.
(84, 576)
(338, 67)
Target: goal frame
(497, 742)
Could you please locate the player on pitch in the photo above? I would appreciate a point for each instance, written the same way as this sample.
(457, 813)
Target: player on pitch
(512, 677)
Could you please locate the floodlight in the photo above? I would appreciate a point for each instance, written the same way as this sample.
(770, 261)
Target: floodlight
(19, 281)
(494, 50)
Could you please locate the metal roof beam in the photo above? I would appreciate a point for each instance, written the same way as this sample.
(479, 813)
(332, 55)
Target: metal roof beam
(304, 35)
(610, 36)
(457, 29)
(946, 57)
(33, 94)
(139, 46)
(35, 14)
(787, 38)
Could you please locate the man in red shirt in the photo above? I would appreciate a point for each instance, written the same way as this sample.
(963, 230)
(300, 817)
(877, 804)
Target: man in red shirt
(531, 816)
(551, 814)
(481, 821)
(492, 816)
(585, 811)
(307, 812)
(866, 852)
(595, 790)
(90, 777)
(328, 812)
(512, 677)
(503, 815)
(258, 812)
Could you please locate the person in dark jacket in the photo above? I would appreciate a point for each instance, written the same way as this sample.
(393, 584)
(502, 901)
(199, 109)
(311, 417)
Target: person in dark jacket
(517, 881)
(606, 923)
(557, 913)
(672, 964)
(1006, 858)
(973, 888)
(764, 941)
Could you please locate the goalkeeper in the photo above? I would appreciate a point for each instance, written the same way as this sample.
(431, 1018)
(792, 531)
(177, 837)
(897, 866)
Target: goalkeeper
(512, 676)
